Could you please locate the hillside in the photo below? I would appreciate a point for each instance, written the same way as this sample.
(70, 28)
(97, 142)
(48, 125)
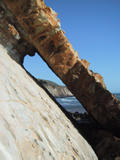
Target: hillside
(55, 89)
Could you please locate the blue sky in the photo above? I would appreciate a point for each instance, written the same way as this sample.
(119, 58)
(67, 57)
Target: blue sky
(93, 28)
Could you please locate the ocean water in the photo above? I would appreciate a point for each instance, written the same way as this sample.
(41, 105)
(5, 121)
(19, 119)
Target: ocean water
(118, 95)
(71, 104)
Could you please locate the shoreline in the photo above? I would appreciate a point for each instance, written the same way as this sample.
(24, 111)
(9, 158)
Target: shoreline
(63, 96)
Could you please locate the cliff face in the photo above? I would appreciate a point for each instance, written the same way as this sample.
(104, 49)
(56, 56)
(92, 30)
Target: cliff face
(32, 127)
(55, 89)
(43, 31)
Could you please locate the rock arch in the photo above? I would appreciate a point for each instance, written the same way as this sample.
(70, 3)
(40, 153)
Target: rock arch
(42, 29)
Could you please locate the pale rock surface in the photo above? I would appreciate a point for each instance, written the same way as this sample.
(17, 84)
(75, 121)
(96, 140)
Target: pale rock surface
(45, 34)
(32, 127)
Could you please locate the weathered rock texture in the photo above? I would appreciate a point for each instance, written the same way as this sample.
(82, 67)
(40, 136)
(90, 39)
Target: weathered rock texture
(32, 127)
(44, 32)
(11, 36)
(55, 89)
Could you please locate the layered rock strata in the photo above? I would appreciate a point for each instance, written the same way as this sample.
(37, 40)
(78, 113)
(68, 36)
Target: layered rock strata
(44, 32)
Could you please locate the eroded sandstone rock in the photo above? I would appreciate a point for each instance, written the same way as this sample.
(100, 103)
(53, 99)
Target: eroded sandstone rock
(55, 89)
(12, 36)
(32, 127)
(44, 32)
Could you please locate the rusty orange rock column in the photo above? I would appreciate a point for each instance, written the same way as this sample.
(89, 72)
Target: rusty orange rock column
(41, 24)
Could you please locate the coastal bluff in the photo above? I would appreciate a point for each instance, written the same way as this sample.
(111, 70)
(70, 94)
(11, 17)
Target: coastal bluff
(55, 89)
